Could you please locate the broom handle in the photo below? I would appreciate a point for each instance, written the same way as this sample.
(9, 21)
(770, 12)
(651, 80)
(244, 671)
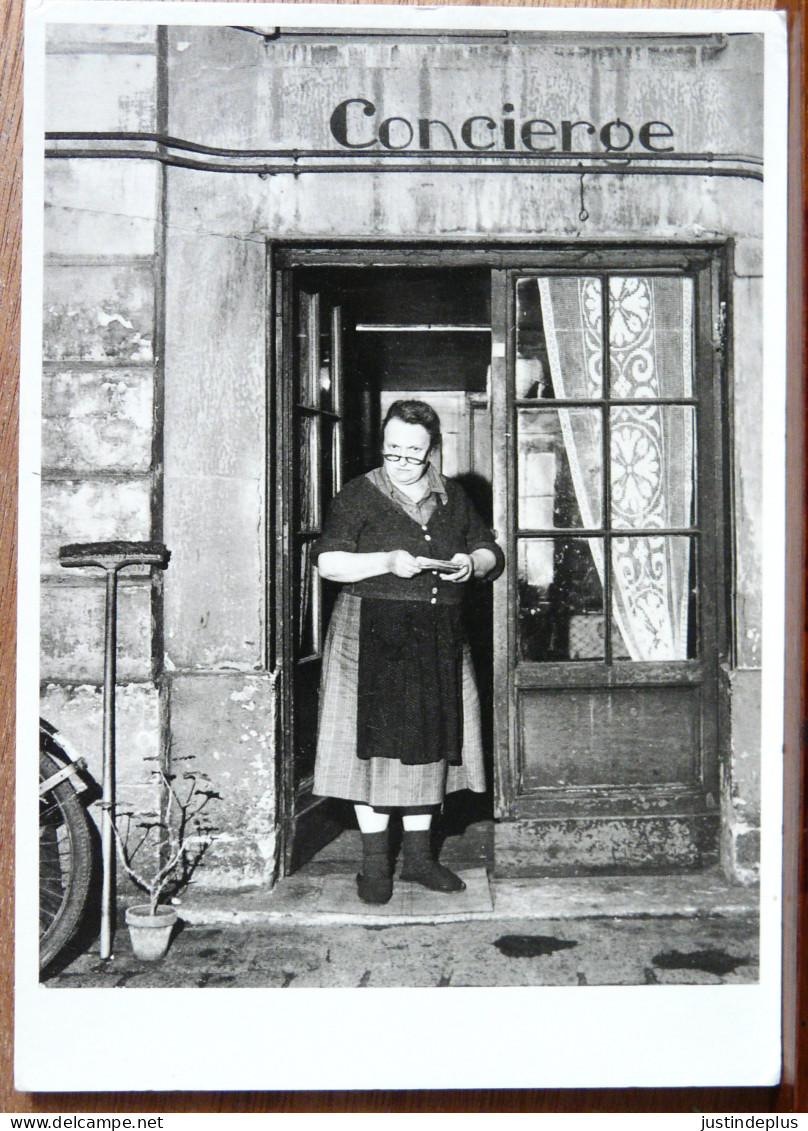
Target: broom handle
(108, 769)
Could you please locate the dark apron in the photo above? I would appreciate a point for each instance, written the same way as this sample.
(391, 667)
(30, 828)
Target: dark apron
(409, 703)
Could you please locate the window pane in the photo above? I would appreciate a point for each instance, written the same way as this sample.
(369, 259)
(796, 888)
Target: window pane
(308, 348)
(650, 337)
(337, 361)
(328, 432)
(559, 338)
(560, 465)
(560, 599)
(308, 605)
(308, 474)
(325, 378)
(654, 590)
(653, 457)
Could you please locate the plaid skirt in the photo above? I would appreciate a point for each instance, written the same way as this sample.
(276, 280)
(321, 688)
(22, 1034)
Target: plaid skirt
(338, 772)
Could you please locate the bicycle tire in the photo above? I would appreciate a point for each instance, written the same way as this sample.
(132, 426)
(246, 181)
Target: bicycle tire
(65, 863)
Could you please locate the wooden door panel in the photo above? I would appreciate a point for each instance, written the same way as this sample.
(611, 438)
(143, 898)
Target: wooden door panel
(609, 737)
(306, 701)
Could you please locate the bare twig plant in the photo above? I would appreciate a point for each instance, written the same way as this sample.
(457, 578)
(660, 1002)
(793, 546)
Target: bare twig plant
(176, 836)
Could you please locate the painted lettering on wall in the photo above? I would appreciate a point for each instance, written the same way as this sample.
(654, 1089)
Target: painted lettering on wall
(355, 124)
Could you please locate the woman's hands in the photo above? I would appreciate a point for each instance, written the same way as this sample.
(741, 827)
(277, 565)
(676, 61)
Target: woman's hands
(464, 561)
(402, 564)
(477, 564)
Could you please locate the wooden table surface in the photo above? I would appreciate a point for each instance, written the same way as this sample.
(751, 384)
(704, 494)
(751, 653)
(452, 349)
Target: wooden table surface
(791, 1095)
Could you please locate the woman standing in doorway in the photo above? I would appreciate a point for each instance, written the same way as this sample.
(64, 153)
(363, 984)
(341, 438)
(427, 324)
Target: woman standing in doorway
(399, 713)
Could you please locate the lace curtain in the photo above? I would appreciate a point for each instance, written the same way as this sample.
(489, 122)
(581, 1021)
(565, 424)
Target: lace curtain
(652, 448)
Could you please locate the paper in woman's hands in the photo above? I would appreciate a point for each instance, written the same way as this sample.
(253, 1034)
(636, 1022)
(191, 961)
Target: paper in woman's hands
(440, 566)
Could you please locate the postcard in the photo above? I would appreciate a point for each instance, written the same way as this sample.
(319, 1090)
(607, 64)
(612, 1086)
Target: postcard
(402, 485)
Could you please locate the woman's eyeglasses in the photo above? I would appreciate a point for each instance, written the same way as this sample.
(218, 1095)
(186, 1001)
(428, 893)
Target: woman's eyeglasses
(392, 457)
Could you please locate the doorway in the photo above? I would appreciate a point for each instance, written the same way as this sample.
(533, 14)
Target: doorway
(364, 338)
(580, 397)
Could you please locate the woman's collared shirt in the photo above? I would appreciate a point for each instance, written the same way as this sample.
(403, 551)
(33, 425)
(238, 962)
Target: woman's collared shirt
(420, 511)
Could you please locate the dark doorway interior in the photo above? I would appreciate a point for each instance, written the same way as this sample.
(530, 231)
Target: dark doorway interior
(424, 334)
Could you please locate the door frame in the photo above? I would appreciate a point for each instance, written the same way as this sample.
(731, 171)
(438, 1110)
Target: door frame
(713, 256)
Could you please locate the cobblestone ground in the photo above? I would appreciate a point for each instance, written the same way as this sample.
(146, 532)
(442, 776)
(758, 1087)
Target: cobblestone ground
(704, 951)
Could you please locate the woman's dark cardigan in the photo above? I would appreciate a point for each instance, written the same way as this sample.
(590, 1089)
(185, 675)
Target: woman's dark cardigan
(361, 520)
(409, 700)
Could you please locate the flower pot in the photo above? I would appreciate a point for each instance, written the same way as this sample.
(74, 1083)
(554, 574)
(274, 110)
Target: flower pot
(150, 934)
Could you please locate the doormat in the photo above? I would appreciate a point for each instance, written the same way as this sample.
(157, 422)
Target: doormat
(339, 896)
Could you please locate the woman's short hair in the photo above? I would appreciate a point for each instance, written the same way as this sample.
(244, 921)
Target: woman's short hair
(416, 412)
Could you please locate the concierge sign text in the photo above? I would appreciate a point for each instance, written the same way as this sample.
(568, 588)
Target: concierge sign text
(356, 123)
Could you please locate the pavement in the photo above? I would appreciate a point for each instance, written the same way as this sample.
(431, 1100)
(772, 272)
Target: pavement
(311, 930)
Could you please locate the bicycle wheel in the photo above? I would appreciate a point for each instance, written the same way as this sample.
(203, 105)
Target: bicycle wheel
(65, 862)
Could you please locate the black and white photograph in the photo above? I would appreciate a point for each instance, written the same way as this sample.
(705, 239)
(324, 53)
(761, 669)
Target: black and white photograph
(401, 549)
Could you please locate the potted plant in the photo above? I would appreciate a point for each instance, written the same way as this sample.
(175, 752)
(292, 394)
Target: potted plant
(176, 838)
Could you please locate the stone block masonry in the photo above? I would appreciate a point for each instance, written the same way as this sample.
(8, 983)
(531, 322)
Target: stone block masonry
(101, 464)
(224, 725)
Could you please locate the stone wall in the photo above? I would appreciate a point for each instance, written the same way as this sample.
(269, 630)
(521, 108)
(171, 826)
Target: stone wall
(101, 463)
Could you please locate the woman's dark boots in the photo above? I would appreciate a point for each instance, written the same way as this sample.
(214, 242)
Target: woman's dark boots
(375, 882)
(420, 866)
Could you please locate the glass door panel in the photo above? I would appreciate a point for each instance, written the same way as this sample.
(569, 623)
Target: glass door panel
(551, 487)
(652, 450)
(634, 448)
(655, 597)
(559, 344)
(651, 340)
(308, 452)
(307, 360)
(560, 599)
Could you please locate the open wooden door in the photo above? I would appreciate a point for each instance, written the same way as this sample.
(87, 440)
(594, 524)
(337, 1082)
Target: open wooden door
(309, 473)
(609, 621)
